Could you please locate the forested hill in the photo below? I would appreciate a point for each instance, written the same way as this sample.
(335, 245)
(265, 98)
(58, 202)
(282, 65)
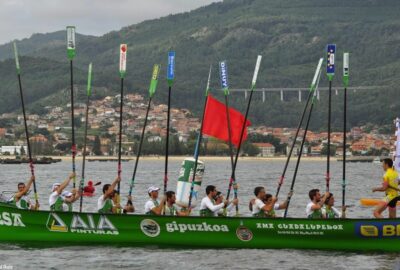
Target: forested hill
(290, 34)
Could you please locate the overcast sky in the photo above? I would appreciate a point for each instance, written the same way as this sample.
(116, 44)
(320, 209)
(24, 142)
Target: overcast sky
(22, 18)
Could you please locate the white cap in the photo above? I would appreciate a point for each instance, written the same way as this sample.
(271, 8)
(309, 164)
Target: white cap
(152, 188)
(54, 186)
(66, 193)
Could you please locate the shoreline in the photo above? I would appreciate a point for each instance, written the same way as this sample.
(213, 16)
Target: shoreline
(181, 158)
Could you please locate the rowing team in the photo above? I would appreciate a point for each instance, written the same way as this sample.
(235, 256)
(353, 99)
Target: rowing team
(214, 204)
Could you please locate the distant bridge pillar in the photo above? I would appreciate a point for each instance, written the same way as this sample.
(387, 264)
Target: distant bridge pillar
(281, 95)
(299, 95)
(263, 96)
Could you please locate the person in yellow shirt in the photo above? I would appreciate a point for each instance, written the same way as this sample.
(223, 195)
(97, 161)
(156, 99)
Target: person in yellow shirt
(390, 186)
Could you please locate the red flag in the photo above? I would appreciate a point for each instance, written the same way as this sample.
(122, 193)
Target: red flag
(216, 124)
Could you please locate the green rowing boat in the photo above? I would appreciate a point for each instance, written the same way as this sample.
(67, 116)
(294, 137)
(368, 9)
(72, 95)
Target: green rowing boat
(44, 228)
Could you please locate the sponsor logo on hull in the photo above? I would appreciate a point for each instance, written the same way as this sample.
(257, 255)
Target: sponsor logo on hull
(202, 227)
(150, 228)
(11, 219)
(83, 224)
(378, 229)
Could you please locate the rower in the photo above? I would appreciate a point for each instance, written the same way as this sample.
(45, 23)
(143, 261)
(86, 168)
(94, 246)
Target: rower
(390, 186)
(170, 208)
(153, 206)
(268, 200)
(69, 198)
(259, 208)
(105, 203)
(20, 199)
(329, 211)
(56, 200)
(208, 208)
(313, 208)
(228, 211)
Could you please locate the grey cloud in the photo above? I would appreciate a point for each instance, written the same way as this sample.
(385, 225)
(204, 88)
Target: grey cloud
(21, 18)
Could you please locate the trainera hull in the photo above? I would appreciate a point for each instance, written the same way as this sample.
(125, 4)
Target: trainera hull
(49, 228)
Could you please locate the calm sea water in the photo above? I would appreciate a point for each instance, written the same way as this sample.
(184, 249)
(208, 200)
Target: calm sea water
(361, 178)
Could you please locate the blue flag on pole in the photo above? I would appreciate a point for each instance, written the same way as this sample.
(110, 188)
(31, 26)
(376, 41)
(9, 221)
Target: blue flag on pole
(171, 66)
(330, 59)
(223, 73)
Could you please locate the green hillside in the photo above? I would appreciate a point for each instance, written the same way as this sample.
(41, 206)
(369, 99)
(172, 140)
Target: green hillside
(290, 34)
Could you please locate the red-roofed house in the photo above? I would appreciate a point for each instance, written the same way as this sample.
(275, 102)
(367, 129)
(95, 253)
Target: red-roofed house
(266, 149)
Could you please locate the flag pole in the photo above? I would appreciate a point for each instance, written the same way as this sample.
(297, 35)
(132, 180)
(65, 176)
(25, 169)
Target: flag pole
(152, 90)
(122, 71)
(313, 88)
(330, 71)
(71, 54)
(26, 125)
(198, 142)
(88, 93)
(253, 85)
(346, 84)
(170, 80)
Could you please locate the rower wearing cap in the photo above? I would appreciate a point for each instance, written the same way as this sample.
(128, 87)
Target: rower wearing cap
(56, 200)
(20, 200)
(208, 208)
(260, 207)
(153, 206)
(170, 208)
(105, 203)
(390, 186)
(69, 198)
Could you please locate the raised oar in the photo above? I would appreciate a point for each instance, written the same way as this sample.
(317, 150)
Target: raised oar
(152, 90)
(198, 143)
(223, 73)
(310, 94)
(170, 80)
(330, 72)
(122, 71)
(253, 85)
(71, 55)
(25, 124)
(346, 84)
(88, 92)
(313, 88)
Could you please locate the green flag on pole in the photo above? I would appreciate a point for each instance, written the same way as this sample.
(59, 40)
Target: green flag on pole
(71, 42)
(154, 80)
(89, 80)
(346, 71)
